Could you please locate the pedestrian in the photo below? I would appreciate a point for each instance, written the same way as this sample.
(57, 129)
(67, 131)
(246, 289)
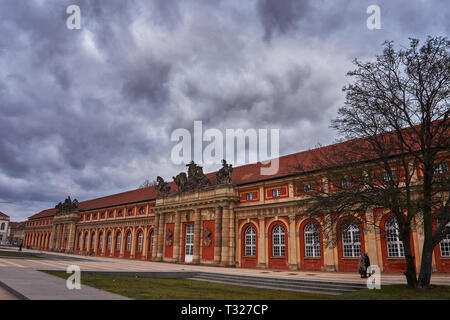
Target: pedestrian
(367, 262)
(20, 246)
(362, 266)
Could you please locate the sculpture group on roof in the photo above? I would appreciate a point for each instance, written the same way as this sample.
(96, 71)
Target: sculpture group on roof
(67, 206)
(195, 179)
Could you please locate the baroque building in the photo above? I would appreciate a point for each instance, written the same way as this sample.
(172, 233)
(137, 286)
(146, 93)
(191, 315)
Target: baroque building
(235, 217)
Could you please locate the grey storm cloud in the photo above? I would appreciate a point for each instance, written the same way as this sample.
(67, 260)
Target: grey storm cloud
(90, 112)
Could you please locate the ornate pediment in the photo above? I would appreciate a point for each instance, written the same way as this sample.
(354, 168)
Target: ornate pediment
(67, 206)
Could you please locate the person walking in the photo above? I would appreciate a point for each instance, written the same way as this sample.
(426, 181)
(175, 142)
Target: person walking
(20, 246)
(366, 262)
(362, 266)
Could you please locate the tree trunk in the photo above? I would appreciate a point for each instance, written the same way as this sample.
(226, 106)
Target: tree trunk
(410, 272)
(426, 264)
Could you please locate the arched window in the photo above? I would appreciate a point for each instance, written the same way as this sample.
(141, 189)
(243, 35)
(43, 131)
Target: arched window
(128, 243)
(139, 241)
(312, 240)
(150, 248)
(100, 241)
(119, 238)
(250, 242)
(351, 241)
(86, 235)
(93, 241)
(3, 226)
(80, 237)
(394, 244)
(445, 244)
(108, 243)
(278, 241)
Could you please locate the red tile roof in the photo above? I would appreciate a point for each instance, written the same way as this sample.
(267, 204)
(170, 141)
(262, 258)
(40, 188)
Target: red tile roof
(17, 225)
(3, 215)
(289, 165)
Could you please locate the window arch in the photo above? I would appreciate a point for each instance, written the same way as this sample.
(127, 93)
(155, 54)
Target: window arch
(119, 239)
(351, 240)
(312, 240)
(3, 226)
(445, 244)
(108, 241)
(278, 241)
(93, 241)
(140, 239)
(100, 241)
(86, 237)
(394, 244)
(80, 238)
(250, 242)
(128, 241)
(150, 248)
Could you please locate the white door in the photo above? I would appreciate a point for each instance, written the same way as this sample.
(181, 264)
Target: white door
(189, 248)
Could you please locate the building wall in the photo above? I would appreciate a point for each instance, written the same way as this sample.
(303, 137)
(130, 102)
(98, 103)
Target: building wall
(219, 217)
(4, 229)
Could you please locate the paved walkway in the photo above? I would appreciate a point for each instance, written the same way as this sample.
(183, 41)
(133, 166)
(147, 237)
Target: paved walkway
(6, 295)
(59, 261)
(36, 285)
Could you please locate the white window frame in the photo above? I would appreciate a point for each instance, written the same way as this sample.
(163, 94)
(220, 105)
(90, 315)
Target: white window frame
(312, 240)
(351, 239)
(128, 242)
(100, 241)
(250, 242)
(276, 193)
(140, 239)
(119, 240)
(307, 187)
(393, 243)
(444, 245)
(441, 167)
(108, 244)
(279, 241)
(249, 196)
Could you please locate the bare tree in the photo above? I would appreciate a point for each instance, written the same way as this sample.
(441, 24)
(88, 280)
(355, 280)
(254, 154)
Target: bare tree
(147, 183)
(396, 117)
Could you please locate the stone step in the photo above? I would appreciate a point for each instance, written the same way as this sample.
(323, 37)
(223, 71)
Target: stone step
(281, 284)
(317, 283)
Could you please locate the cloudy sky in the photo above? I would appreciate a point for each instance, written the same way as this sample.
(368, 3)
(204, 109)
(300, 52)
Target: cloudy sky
(90, 112)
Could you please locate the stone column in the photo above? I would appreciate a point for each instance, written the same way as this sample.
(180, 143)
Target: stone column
(88, 248)
(176, 237)
(329, 264)
(225, 260)
(217, 235)
(145, 243)
(371, 237)
(262, 243)
(292, 244)
(133, 243)
(159, 253)
(71, 238)
(122, 242)
(105, 239)
(155, 237)
(232, 240)
(197, 236)
(113, 242)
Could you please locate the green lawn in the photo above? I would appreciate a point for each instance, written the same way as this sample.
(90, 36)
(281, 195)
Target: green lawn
(182, 289)
(399, 292)
(18, 254)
